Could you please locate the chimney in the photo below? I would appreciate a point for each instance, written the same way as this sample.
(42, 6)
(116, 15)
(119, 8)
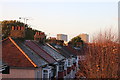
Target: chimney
(60, 42)
(40, 36)
(17, 32)
(53, 40)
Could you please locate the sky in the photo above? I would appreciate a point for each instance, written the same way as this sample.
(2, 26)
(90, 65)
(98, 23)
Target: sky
(71, 17)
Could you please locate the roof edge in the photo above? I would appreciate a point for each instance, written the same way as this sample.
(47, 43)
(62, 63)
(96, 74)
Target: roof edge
(4, 39)
(22, 52)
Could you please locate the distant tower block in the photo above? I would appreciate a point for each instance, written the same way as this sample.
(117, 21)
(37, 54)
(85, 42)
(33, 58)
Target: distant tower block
(84, 37)
(62, 37)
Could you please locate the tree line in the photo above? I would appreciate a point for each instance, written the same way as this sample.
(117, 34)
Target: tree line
(102, 57)
(7, 25)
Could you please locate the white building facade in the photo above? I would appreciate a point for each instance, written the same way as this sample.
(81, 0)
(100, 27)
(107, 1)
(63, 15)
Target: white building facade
(84, 37)
(62, 37)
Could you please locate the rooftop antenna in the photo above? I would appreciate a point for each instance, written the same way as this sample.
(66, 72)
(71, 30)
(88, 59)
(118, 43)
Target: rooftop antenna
(25, 19)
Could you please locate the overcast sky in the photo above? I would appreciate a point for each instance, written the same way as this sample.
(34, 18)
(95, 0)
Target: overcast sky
(70, 17)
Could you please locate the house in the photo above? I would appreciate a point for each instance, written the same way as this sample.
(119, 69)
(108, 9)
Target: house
(36, 59)
(26, 58)
(68, 67)
(24, 61)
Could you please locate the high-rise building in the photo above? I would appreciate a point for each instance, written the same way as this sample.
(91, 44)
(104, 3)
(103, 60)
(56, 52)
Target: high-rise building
(62, 37)
(84, 37)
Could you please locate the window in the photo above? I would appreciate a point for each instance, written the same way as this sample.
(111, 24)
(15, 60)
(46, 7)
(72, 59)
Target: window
(61, 66)
(69, 63)
(74, 60)
(45, 71)
(5, 69)
(45, 74)
(65, 65)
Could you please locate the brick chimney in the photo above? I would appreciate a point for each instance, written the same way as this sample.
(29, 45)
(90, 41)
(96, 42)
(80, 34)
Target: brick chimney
(17, 32)
(60, 42)
(39, 36)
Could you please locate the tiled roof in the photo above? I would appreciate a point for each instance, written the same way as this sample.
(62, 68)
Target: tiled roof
(14, 56)
(61, 51)
(68, 51)
(32, 55)
(57, 56)
(43, 54)
(73, 50)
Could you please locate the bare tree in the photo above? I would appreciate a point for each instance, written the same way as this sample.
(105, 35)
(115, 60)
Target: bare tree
(101, 57)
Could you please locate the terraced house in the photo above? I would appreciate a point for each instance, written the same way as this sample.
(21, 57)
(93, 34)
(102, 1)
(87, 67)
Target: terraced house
(36, 59)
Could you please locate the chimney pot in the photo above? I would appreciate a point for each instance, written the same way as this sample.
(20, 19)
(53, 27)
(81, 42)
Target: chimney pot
(42, 33)
(22, 28)
(18, 27)
(13, 27)
(36, 33)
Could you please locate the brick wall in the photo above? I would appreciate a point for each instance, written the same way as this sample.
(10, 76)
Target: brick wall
(17, 32)
(20, 73)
